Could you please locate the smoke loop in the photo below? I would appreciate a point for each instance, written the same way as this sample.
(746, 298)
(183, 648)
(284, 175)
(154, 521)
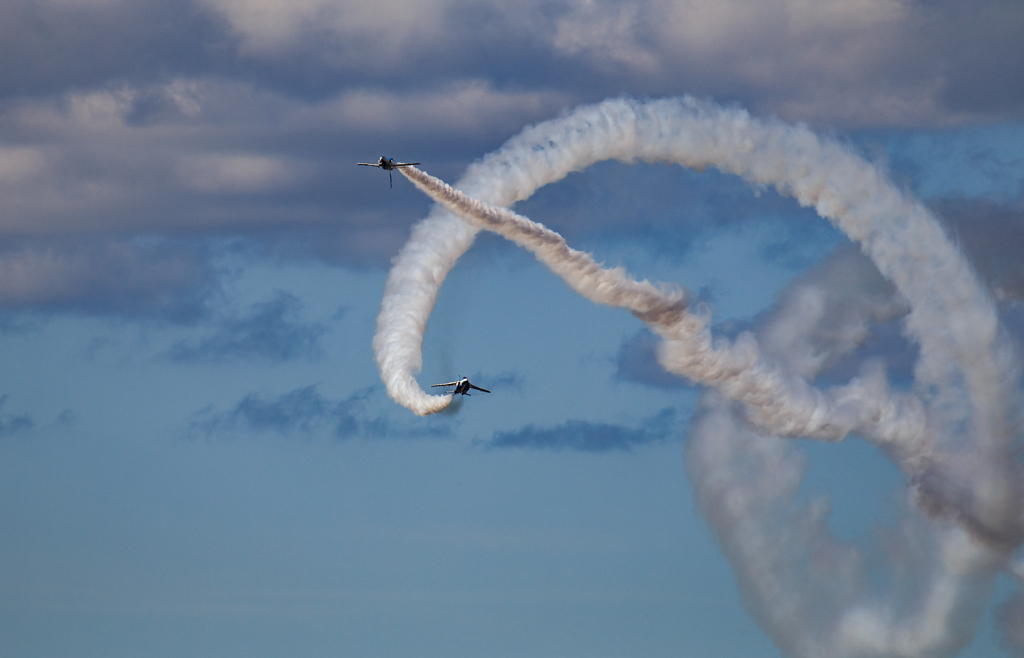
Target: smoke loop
(955, 436)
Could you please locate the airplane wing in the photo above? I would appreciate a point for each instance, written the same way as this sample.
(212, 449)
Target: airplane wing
(448, 384)
(404, 164)
(479, 389)
(367, 164)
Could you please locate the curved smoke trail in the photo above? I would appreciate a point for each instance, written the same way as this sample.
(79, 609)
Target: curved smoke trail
(956, 437)
(782, 403)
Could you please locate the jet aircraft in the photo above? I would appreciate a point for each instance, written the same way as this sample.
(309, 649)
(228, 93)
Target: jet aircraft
(387, 164)
(462, 386)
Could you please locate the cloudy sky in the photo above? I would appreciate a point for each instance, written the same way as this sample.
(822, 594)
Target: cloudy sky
(198, 456)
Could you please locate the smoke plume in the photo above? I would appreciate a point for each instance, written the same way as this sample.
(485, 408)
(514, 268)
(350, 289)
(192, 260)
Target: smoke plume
(955, 435)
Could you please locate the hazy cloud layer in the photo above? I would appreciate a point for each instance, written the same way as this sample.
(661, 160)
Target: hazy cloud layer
(162, 278)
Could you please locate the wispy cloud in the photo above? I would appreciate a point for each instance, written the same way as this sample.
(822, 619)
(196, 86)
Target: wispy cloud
(305, 411)
(14, 423)
(462, 107)
(271, 330)
(505, 380)
(584, 436)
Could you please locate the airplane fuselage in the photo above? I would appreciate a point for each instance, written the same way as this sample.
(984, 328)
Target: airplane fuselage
(388, 165)
(462, 387)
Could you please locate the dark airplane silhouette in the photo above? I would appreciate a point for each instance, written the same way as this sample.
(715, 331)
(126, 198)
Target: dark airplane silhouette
(387, 164)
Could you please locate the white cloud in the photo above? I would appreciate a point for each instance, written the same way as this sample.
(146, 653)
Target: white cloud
(858, 106)
(270, 26)
(607, 33)
(186, 96)
(723, 26)
(852, 63)
(848, 63)
(18, 164)
(237, 173)
(465, 107)
(101, 107)
(75, 112)
(164, 155)
(83, 4)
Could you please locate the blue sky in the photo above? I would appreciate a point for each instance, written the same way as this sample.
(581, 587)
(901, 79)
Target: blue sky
(198, 456)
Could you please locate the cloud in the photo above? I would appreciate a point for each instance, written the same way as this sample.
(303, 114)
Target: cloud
(14, 423)
(982, 48)
(637, 362)
(992, 235)
(271, 331)
(162, 278)
(51, 45)
(202, 156)
(268, 27)
(837, 321)
(194, 158)
(245, 120)
(830, 311)
(18, 164)
(304, 411)
(668, 208)
(584, 436)
(1010, 618)
(505, 380)
(461, 107)
(605, 33)
(829, 324)
(862, 63)
(883, 342)
(142, 158)
(238, 173)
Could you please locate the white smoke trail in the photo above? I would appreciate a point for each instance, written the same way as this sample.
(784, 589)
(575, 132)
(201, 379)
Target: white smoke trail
(779, 401)
(811, 591)
(956, 437)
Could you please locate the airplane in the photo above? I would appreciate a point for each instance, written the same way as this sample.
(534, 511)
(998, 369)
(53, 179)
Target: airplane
(387, 164)
(462, 386)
